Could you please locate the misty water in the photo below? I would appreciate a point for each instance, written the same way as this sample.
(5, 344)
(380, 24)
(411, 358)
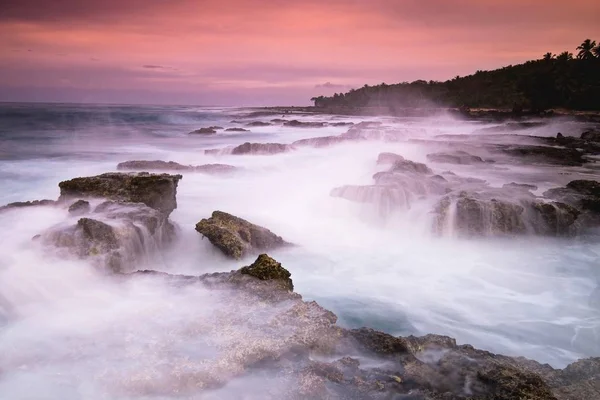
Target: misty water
(65, 328)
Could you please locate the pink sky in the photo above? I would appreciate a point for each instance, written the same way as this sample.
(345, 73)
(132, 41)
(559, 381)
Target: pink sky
(260, 52)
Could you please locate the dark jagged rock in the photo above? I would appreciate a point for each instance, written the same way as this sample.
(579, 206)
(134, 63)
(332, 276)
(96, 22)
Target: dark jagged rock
(216, 168)
(80, 207)
(547, 154)
(266, 268)
(582, 194)
(591, 135)
(157, 165)
(410, 166)
(258, 124)
(324, 141)
(236, 130)
(204, 131)
(299, 340)
(216, 127)
(23, 204)
(473, 216)
(455, 157)
(300, 124)
(519, 186)
(337, 124)
(157, 191)
(261, 148)
(389, 158)
(498, 212)
(236, 237)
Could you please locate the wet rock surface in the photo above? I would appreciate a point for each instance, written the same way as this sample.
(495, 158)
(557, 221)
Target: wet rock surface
(301, 124)
(236, 237)
(314, 358)
(237, 130)
(261, 148)
(24, 204)
(204, 131)
(157, 165)
(157, 191)
(130, 222)
(455, 157)
(80, 207)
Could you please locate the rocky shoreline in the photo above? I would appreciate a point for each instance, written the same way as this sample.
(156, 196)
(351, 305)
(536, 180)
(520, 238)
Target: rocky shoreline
(119, 212)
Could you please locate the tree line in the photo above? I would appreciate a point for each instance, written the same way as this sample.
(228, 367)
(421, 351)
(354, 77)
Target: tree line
(564, 80)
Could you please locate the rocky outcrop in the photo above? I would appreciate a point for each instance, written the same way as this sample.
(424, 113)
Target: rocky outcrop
(158, 165)
(591, 135)
(265, 268)
(258, 124)
(300, 341)
(237, 130)
(23, 204)
(129, 220)
(583, 195)
(496, 213)
(204, 131)
(236, 237)
(455, 157)
(157, 191)
(302, 124)
(546, 155)
(389, 158)
(324, 141)
(410, 166)
(80, 207)
(261, 148)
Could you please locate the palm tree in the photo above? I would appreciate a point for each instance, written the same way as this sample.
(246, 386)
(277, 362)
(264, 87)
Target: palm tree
(548, 56)
(585, 50)
(596, 51)
(565, 56)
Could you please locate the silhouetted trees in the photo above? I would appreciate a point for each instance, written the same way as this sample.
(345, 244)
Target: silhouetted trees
(555, 81)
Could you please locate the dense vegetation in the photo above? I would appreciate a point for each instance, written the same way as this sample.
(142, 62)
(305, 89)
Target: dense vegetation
(555, 81)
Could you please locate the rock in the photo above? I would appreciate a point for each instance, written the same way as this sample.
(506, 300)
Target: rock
(23, 204)
(215, 127)
(261, 148)
(455, 157)
(498, 212)
(115, 237)
(278, 120)
(282, 335)
(80, 207)
(236, 130)
(236, 237)
(469, 215)
(299, 124)
(560, 136)
(266, 268)
(555, 219)
(324, 141)
(519, 186)
(216, 168)
(342, 124)
(389, 158)
(547, 154)
(204, 131)
(157, 165)
(592, 135)
(157, 191)
(410, 166)
(258, 123)
(582, 194)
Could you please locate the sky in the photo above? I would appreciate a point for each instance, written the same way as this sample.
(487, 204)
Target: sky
(266, 52)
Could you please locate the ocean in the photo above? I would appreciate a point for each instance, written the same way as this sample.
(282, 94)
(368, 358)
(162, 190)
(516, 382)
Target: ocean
(528, 296)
